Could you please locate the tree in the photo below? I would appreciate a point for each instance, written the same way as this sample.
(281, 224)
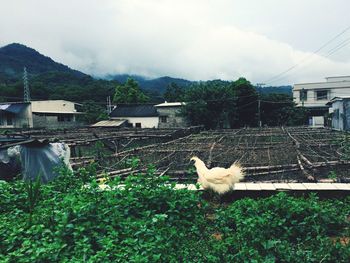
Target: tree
(93, 112)
(246, 98)
(279, 109)
(174, 93)
(209, 103)
(129, 92)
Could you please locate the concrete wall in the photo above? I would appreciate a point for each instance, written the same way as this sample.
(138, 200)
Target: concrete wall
(173, 118)
(52, 121)
(146, 122)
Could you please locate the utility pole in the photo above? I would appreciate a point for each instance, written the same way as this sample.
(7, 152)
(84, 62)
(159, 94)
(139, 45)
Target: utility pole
(259, 112)
(259, 85)
(26, 92)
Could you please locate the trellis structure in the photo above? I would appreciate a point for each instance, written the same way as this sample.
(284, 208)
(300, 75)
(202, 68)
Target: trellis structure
(296, 154)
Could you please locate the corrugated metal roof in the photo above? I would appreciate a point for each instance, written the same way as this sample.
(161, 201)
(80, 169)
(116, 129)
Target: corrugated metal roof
(13, 107)
(142, 110)
(109, 123)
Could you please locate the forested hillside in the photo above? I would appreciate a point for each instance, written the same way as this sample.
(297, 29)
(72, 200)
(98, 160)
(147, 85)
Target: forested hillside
(51, 80)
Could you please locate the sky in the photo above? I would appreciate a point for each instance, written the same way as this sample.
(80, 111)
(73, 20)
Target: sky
(266, 41)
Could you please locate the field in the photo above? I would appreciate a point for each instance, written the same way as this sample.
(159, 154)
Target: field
(297, 154)
(71, 220)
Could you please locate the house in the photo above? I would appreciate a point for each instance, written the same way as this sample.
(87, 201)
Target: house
(137, 115)
(55, 114)
(16, 115)
(315, 96)
(170, 115)
(340, 113)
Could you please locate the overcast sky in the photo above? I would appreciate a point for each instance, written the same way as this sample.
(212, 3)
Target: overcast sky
(192, 39)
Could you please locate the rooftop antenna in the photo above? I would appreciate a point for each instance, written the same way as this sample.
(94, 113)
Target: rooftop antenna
(26, 86)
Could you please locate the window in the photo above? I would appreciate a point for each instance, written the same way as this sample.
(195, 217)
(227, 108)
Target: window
(321, 94)
(6, 119)
(163, 119)
(1, 118)
(303, 95)
(9, 119)
(138, 125)
(64, 117)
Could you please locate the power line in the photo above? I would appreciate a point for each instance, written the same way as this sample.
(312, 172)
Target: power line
(276, 77)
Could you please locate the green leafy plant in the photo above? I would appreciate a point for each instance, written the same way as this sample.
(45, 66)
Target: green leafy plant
(332, 175)
(33, 192)
(148, 220)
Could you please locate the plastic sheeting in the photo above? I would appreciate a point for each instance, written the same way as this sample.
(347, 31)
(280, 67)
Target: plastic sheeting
(38, 160)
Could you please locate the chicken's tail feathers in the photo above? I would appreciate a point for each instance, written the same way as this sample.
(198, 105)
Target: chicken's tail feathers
(237, 170)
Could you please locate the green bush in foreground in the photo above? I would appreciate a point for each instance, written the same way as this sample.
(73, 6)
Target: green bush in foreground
(149, 221)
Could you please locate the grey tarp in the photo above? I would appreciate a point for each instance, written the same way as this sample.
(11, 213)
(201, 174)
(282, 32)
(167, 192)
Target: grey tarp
(42, 160)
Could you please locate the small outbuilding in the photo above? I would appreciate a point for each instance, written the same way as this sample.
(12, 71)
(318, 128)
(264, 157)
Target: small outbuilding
(340, 113)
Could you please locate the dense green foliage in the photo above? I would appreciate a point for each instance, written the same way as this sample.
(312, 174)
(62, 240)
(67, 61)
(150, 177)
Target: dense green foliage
(129, 92)
(174, 93)
(210, 104)
(223, 104)
(71, 220)
(279, 109)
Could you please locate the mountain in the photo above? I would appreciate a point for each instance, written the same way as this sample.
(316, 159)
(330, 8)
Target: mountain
(51, 80)
(47, 78)
(279, 89)
(152, 85)
(14, 57)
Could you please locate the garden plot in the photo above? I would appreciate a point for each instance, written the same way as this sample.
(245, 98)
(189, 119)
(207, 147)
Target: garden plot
(295, 154)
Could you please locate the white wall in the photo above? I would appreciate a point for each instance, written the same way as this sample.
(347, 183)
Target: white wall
(146, 122)
(335, 89)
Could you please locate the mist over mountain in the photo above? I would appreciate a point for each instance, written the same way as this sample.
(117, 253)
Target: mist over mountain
(50, 79)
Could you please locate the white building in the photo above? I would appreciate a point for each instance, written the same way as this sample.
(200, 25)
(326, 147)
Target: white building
(318, 94)
(315, 96)
(138, 116)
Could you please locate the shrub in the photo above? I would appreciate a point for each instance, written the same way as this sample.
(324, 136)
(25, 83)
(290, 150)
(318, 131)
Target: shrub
(148, 221)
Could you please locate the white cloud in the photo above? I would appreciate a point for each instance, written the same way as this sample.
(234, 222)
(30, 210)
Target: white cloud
(191, 39)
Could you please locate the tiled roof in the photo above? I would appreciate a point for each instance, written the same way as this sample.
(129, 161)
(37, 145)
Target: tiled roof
(132, 110)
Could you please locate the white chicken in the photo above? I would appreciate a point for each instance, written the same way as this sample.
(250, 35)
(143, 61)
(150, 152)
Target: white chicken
(220, 180)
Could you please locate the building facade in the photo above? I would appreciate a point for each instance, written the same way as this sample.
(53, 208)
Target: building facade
(137, 116)
(16, 115)
(340, 113)
(55, 114)
(170, 115)
(315, 96)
